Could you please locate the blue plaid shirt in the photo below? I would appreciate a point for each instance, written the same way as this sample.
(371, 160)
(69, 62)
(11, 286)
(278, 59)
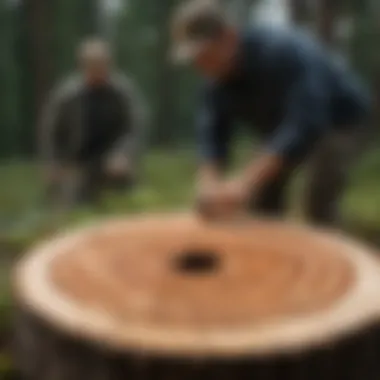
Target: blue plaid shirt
(287, 88)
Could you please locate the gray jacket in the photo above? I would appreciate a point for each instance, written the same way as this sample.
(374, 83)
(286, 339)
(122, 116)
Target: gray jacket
(64, 111)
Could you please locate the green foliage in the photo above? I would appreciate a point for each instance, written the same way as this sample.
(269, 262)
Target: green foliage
(70, 21)
(141, 37)
(143, 46)
(168, 184)
(9, 81)
(73, 20)
(365, 52)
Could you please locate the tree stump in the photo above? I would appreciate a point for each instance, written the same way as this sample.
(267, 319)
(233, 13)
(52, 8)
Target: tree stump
(173, 297)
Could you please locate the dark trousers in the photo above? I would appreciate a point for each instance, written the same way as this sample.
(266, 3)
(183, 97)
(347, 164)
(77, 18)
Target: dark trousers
(328, 169)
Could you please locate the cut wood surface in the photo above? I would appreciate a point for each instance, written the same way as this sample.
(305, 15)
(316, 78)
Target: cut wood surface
(173, 297)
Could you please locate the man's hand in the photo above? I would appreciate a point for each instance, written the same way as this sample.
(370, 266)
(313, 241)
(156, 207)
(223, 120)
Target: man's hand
(206, 197)
(209, 182)
(118, 165)
(261, 170)
(227, 199)
(236, 192)
(223, 200)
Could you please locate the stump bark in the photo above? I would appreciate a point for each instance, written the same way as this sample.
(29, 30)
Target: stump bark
(173, 297)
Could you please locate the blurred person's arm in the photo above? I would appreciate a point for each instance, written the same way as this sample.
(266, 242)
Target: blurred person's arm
(131, 145)
(54, 137)
(214, 132)
(214, 129)
(306, 121)
(50, 124)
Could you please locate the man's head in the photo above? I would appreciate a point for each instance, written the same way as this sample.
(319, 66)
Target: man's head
(94, 57)
(203, 36)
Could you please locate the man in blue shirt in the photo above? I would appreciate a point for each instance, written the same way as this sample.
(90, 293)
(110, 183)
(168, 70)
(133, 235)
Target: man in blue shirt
(283, 85)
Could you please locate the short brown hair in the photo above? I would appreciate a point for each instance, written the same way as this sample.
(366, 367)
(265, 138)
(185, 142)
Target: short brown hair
(196, 21)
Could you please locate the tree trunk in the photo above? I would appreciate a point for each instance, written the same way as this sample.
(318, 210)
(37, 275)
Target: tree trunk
(239, 11)
(9, 79)
(375, 8)
(166, 117)
(244, 12)
(327, 17)
(88, 17)
(299, 11)
(38, 17)
(172, 297)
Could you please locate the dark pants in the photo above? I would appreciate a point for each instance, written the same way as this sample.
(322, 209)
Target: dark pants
(84, 183)
(328, 169)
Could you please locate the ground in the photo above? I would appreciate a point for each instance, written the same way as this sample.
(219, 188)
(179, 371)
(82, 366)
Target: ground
(168, 184)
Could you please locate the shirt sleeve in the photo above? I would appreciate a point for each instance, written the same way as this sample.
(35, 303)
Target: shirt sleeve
(136, 118)
(306, 120)
(214, 130)
(54, 136)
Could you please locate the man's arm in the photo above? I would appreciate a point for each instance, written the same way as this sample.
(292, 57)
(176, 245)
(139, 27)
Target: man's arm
(49, 125)
(53, 135)
(306, 120)
(214, 128)
(132, 142)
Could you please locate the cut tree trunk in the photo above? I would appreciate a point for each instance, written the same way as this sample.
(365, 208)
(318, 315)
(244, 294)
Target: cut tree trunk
(173, 297)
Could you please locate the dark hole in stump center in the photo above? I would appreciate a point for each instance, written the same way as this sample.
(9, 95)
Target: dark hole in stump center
(197, 262)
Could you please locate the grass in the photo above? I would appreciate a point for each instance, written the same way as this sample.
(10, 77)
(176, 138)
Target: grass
(167, 184)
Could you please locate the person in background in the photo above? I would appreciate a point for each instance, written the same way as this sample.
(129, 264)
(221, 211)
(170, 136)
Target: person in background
(92, 129)
(284, 86)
